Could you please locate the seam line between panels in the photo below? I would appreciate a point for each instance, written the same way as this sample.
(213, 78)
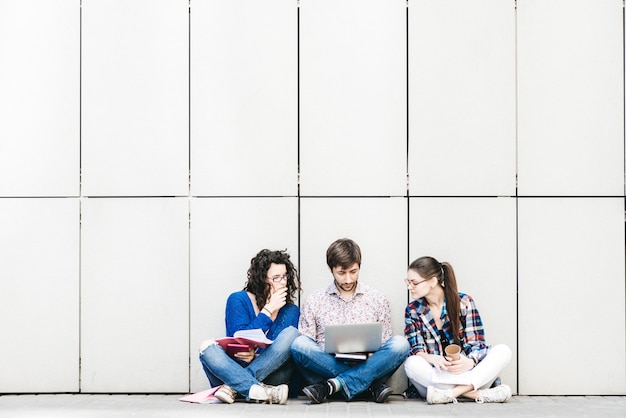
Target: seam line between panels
(408, 184)
(517, 264)
(299, 219)
(189, 197)
(80, 189)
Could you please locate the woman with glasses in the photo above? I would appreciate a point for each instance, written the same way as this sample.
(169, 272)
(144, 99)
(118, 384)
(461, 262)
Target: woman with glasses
(266, 303)
(439, 315)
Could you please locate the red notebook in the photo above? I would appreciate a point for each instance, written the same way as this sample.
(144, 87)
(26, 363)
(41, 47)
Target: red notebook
(244, 340)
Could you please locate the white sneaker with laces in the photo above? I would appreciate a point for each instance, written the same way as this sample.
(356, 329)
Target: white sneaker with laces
(269, 394)
(439, 396)
(501, 393)
(225, 394)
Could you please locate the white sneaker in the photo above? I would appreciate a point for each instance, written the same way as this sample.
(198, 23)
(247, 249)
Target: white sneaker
(269, 394)
(436, 396)
(501, 393)
(225, 394)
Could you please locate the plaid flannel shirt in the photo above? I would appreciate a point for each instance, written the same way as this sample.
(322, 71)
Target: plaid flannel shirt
(423, 335)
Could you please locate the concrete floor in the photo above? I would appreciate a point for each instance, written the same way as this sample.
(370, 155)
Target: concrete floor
(87, 406)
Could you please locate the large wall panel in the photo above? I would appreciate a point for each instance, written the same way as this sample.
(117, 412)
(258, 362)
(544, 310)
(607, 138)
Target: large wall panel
(39, 295)
(225, 235)
(244, 120)
(477, 237)
(353, 97)
(135, 295)
(40, 97)
(571, 296)
(135, 90)
(570, 98)
(462, 97)
(379, 226)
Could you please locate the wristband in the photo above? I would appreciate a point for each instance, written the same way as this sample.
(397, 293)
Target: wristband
(267, 310)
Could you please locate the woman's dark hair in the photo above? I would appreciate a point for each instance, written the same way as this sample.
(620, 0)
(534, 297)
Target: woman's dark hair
(428, 267)
(344, 253)
(257, 274)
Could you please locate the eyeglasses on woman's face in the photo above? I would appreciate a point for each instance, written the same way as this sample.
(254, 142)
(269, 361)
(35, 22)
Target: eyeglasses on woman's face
(414, 283)
(277, 279)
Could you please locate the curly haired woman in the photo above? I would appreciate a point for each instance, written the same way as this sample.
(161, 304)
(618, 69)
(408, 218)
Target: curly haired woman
(266, 303)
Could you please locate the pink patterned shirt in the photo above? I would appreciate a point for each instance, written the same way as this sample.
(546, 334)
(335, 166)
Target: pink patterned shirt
(327, 307)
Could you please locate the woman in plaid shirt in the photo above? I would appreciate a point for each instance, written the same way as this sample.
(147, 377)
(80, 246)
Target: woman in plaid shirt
(429, 330)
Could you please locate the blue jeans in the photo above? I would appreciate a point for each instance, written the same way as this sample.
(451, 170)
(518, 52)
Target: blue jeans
(317, 366)
(239, 375)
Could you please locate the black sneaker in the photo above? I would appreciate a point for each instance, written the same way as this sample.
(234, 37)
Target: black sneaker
(317, 393)
(380, 392)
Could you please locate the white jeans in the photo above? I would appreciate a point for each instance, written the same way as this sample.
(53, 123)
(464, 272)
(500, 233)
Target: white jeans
(420, 372)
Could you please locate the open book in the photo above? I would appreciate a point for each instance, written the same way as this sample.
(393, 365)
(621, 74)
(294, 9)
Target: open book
(243, 340)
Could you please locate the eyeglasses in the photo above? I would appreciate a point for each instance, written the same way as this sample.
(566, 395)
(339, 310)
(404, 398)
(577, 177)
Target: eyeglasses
(412, 283)
(282, 278)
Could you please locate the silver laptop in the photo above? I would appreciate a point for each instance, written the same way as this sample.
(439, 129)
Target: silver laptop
(353, 338)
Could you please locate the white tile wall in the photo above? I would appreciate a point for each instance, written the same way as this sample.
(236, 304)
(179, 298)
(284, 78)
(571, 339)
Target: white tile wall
(353, 97)
(571, 296)
(570, 98)
(39, 295)
(40, 99)
(135, 295)
(135, 90)
(244, 111)
(462, 98)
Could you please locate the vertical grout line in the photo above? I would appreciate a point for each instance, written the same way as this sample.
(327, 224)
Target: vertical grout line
(189, 193)
(517, 323)
(624, 108)
(80, 186)
(516, 203)
(298, 139)
(408, 186)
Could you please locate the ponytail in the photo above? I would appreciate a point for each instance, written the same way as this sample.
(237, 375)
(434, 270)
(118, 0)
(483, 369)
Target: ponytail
(447, 280)
(428, 267)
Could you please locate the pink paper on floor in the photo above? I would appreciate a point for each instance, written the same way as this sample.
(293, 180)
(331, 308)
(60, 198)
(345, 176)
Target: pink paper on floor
(206, 396)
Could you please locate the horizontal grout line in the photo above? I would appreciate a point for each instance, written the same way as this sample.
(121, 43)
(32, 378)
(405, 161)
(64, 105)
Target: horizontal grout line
(39, 197)
(324, 197)
(517, 197)
(245, 197)
(136, 197)
(571, 197)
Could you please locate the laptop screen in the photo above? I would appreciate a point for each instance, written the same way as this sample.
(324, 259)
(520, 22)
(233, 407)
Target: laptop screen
(353, 338)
